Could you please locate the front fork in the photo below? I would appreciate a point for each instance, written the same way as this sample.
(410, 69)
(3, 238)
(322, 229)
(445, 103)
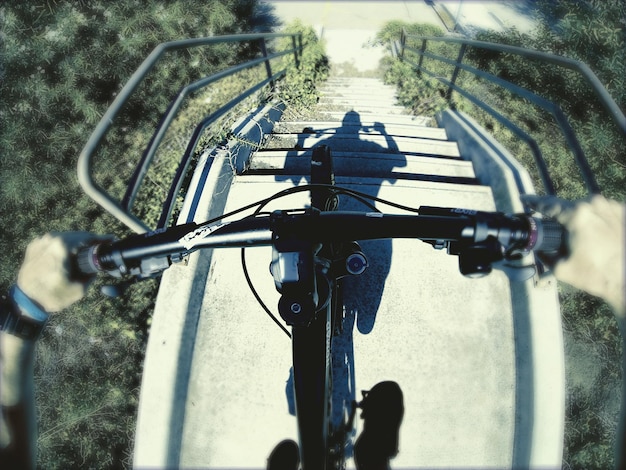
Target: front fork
(307, 277)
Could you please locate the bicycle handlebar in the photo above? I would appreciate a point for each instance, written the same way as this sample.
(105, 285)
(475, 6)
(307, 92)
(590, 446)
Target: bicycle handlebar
(493, 236)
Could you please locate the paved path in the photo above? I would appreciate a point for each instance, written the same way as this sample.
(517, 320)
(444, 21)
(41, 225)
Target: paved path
(348, 26)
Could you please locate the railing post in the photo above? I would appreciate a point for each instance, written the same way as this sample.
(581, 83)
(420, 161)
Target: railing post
(268, 67)
(402, 43)
(296, 58)
(419, 64)
(455, 74)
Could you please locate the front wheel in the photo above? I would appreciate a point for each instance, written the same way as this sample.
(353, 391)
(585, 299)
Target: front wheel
(311, 373)
(312, 345)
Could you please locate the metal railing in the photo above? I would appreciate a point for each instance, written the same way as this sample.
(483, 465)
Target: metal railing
(122, 210)
(407, 43)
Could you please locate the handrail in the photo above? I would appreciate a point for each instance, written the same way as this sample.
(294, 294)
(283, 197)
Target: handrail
(168, 118)
(168, 205)
(552, 108)
(542, 167)
(575, 65)
(555, 110)
(121, 210)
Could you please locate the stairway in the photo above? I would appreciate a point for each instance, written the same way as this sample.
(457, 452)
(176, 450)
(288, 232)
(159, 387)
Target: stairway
(369, 136)
(458, 347)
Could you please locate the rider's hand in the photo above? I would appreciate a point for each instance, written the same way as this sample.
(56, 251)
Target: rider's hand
(45, 275)
(595, 260)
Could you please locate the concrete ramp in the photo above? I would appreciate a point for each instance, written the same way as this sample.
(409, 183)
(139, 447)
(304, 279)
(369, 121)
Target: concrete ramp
(216, 385)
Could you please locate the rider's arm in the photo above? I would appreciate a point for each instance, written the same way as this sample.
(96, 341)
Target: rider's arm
(595, 261)
(43, 286)
(17, 417)
(391, 144)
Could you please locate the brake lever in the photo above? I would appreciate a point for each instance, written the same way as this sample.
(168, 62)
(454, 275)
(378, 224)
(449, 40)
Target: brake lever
(148, 269)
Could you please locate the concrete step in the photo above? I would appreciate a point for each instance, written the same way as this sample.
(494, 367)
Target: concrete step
(367, 116)
(363, 92)
(352, 79)
(356, 82)
(389, 166)
(363, 95)
(362, 108)
(330, 93)
(404, 191)
(372, 143)
(360, 93)
(357, 101)
(339, 90)
(336, 127)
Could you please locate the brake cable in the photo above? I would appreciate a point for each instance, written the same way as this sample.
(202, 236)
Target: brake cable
(357, 195)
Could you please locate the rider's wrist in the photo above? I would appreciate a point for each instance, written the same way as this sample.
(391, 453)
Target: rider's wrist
(21, 316)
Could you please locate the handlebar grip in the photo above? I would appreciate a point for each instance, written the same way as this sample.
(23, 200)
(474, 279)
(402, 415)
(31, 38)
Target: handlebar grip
(550, 236)
(87, 260)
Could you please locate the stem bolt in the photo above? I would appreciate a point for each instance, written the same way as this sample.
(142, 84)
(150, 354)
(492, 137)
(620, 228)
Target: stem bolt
(296, 308)
(356, 263)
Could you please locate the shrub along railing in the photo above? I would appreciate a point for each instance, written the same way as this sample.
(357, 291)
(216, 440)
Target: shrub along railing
(411, 47)
(122, 209)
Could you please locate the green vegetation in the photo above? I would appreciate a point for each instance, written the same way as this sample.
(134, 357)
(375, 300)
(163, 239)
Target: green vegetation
(592, 32)
(61, 65)
(419, 93)
(299, 88)
(155, 187)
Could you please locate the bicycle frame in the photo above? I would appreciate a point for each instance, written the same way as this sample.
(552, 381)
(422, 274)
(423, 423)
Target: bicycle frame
(312, 336)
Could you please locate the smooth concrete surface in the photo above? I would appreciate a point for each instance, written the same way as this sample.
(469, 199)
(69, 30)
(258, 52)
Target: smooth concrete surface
(355, 163)
(540, 362)
(447, 340)
(382, 117)
(382, 142)
(500, 15)
(170, 347)
(348, 27)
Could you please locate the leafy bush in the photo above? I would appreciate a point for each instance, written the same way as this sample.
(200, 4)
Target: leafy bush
(392, 29)
(299, 89)
(61, 65)
(418, 92)
(586, 31)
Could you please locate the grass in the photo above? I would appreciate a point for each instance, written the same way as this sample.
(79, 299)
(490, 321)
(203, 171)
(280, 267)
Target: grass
(88, 365)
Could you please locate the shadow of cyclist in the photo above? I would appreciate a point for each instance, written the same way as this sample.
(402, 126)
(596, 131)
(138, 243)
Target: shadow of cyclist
(367, 165)
(372, 164)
